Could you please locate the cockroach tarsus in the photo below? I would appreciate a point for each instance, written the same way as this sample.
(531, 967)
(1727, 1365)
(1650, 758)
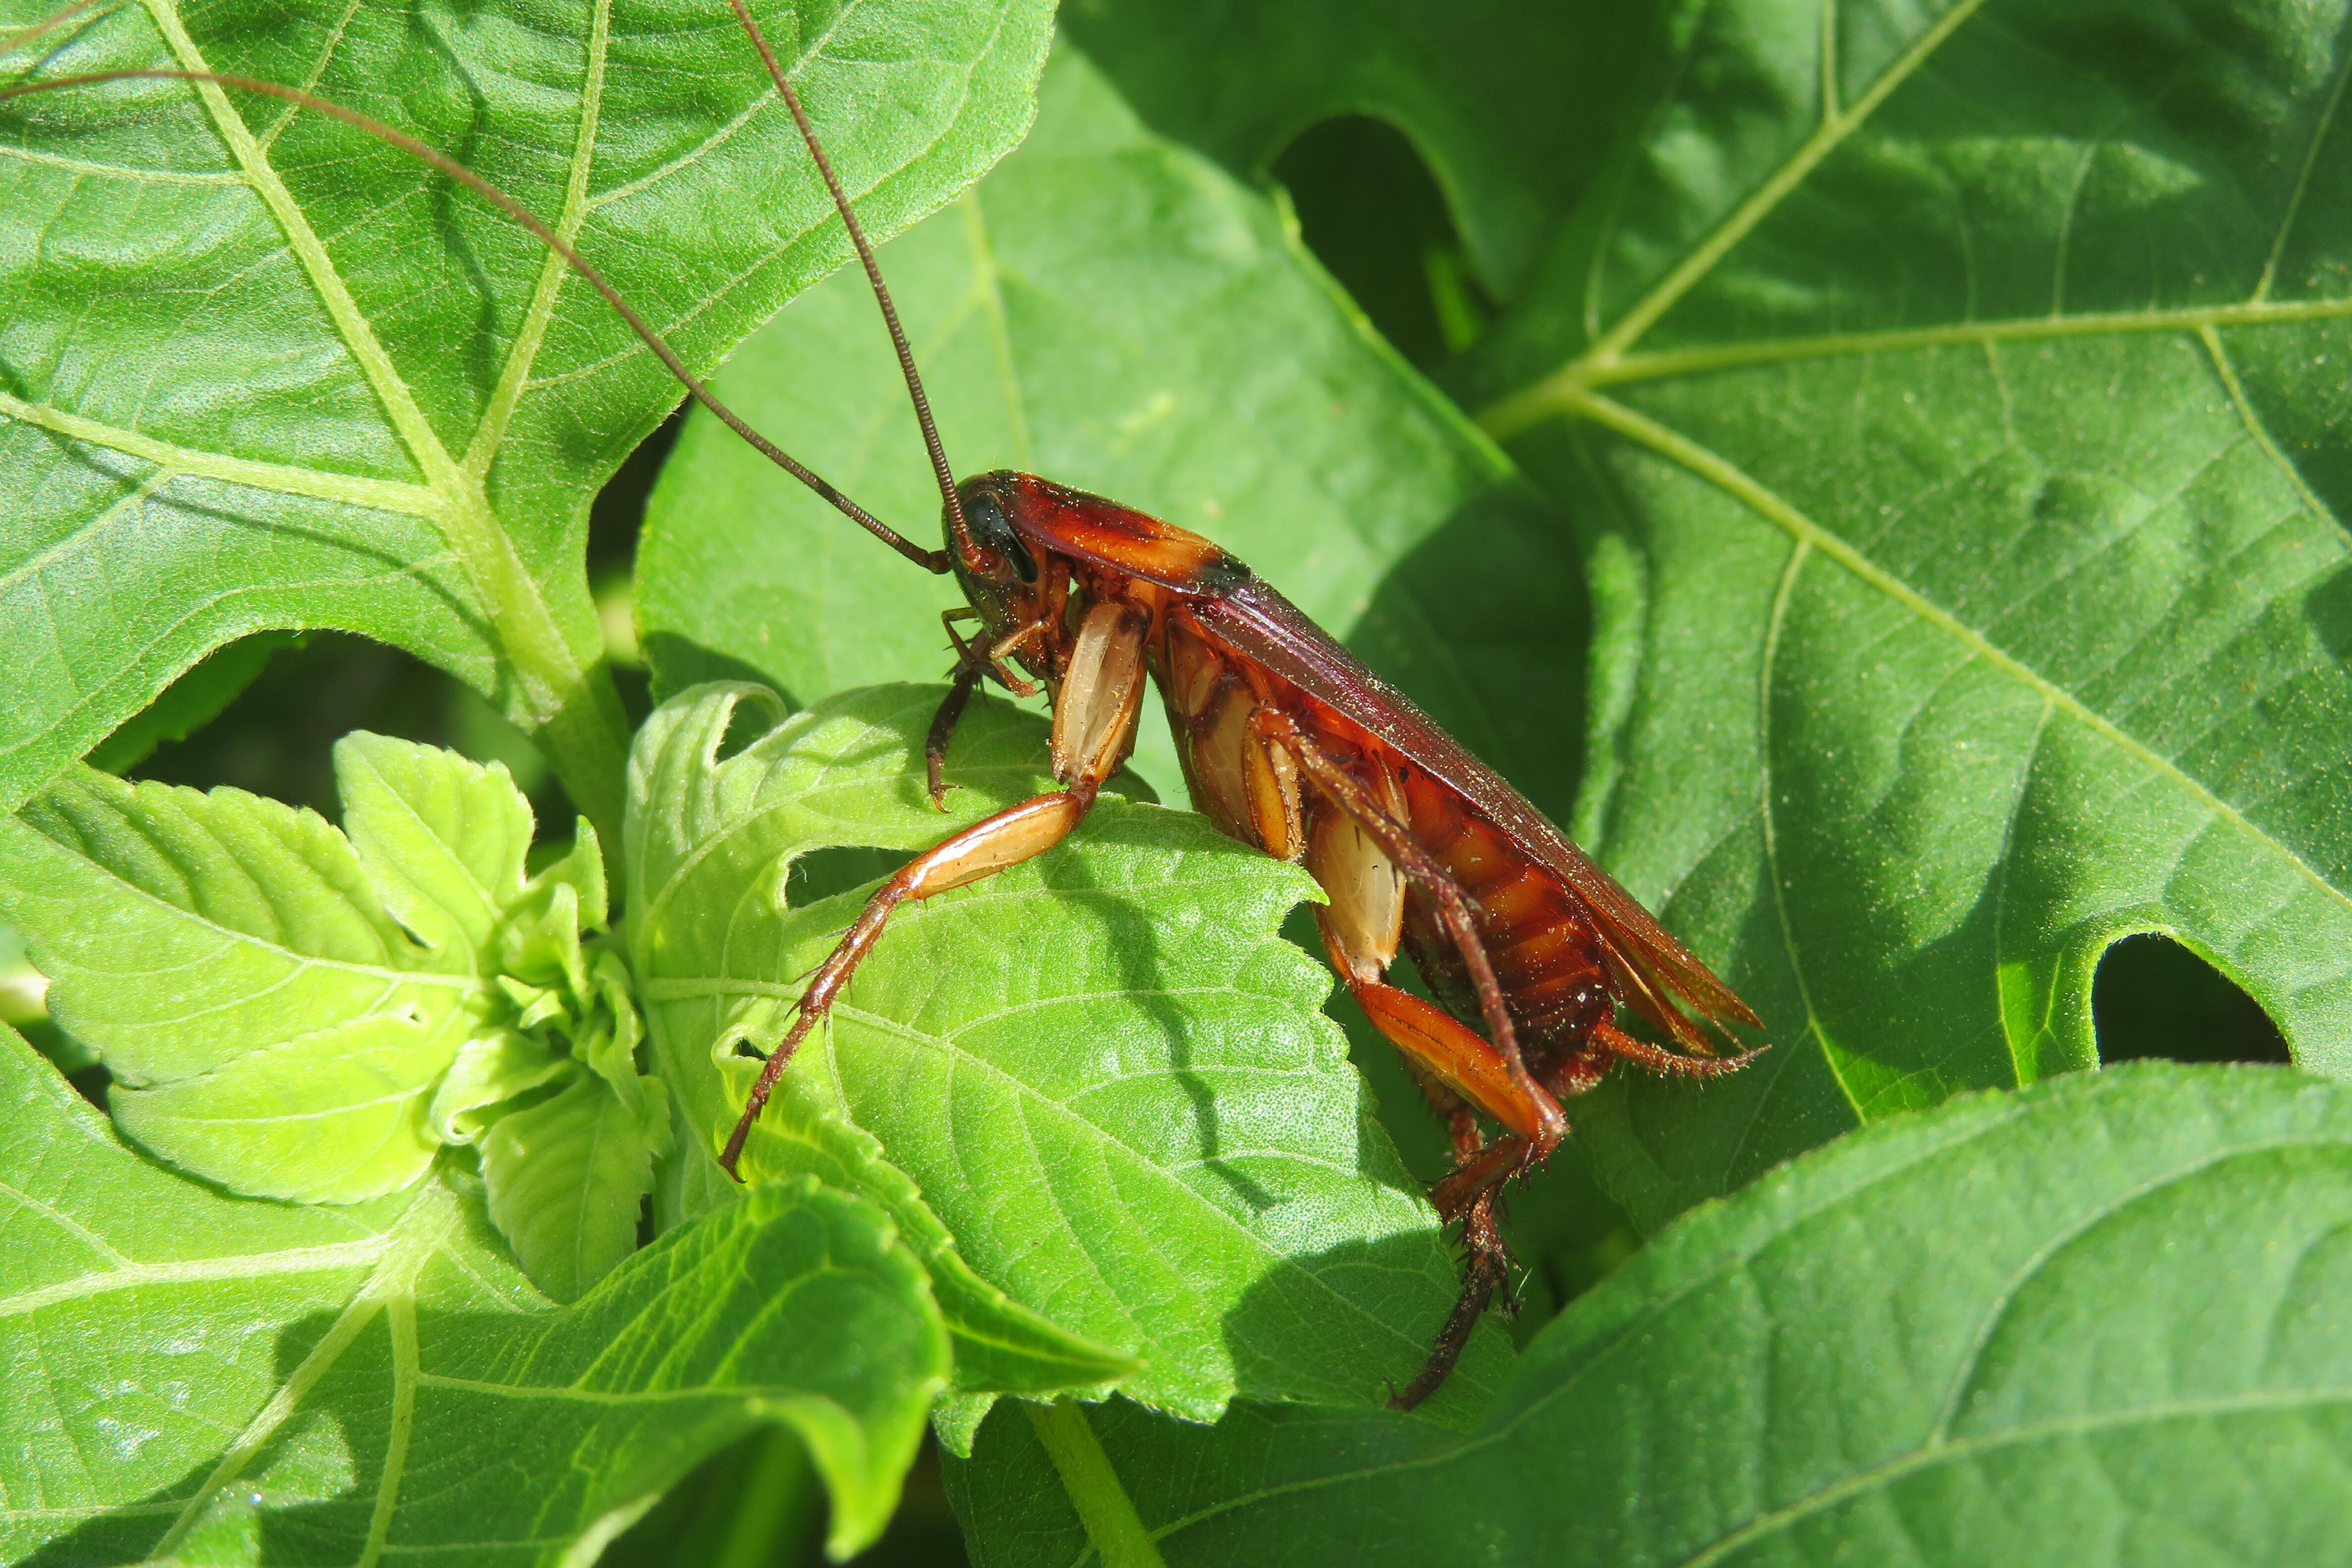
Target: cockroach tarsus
(1288, 744)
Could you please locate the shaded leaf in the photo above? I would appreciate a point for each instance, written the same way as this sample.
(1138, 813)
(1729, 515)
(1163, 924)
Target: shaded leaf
(2097, 1322)
(231, 1382)
(1510, 102)
(1103, 1071)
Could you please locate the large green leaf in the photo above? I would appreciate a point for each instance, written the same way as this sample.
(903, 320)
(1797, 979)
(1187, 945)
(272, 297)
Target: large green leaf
(1116, 313)
(219, 1381)
(1103, 1073)
(2098, 1322)
(329, 389)
(1954, 397)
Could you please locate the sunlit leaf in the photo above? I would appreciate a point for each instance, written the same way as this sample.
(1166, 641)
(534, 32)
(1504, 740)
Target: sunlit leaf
(211, 1380)
(1103, 1072)
(2097, 1322)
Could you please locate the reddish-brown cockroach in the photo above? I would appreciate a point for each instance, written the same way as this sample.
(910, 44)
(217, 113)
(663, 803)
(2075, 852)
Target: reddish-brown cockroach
(1289, 744)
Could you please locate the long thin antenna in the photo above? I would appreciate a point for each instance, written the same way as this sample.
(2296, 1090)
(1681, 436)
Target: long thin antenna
(17, 40)
(873, 269)
(930, 560)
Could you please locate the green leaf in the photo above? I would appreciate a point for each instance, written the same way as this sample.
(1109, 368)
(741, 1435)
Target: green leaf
(2097, 1322)
(393, 406)
(1951, 399)
(296, 1014)
(566, 1176)
(1102, 1073)
(1113, 311)
(210, 1380)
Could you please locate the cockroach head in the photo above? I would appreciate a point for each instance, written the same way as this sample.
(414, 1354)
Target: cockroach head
(995, 567)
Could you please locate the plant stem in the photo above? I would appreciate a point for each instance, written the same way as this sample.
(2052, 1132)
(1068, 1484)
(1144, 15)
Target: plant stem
(570, 709)
(775, 1509)
(1103, 1505)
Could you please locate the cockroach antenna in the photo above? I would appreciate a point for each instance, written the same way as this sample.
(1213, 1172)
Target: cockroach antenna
(939, 468)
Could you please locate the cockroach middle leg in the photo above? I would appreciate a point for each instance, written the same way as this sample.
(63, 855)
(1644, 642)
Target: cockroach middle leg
(1276, 727)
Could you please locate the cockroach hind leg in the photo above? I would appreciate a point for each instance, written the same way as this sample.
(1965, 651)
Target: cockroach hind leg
(1487, 1270)
(1670, 1063)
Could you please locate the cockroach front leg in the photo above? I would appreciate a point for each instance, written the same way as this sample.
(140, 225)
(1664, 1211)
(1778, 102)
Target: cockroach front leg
(1093, 729)
(971, 669)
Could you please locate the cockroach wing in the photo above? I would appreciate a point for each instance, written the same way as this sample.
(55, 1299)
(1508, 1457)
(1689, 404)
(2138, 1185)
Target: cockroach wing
(1650, 964)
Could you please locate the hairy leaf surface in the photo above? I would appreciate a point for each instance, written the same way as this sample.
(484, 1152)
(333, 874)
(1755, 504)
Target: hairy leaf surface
(223, 1381)
(1103, 1073)
(331, 390)
(2097, 1322)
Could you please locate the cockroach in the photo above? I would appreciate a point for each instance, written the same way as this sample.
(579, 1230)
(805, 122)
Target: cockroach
(1288, 744)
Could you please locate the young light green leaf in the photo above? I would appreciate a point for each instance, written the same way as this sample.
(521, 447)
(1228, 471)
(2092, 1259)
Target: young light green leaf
(202, 1379)
(567, 1176)
(2097, 1322)
(394, 406)
(296, 1014)
(1114, 312)
(1103, 1071)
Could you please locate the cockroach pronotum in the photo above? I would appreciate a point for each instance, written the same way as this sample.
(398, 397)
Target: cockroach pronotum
(1290, 746)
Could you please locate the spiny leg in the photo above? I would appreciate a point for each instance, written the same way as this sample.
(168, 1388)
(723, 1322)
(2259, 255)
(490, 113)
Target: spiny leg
(1668, 1064)
(1013, 835)
(1485, 1269)
(972, 667)
(1092, 733)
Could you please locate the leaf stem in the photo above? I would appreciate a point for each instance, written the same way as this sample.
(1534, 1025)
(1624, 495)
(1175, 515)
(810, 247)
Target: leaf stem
(570, 709)
(1103, 1505)
(775, 1508)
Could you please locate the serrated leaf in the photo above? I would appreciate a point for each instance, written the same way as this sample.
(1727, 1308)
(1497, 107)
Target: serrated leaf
(2098, 1322)
(1103, 1071)
(393, 407)
(296, 1014)
(442, 838)
(209, 1380)
(232, 955)
(1115, 312)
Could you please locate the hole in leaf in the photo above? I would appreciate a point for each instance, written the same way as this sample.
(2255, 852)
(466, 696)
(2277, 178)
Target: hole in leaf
(1372, 212)
(821, 874)
(2154, 998)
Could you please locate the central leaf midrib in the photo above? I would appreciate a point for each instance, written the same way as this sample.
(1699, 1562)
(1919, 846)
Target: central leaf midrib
(351, 324)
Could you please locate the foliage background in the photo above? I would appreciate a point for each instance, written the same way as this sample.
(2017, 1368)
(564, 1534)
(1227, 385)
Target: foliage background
(1916, 567)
